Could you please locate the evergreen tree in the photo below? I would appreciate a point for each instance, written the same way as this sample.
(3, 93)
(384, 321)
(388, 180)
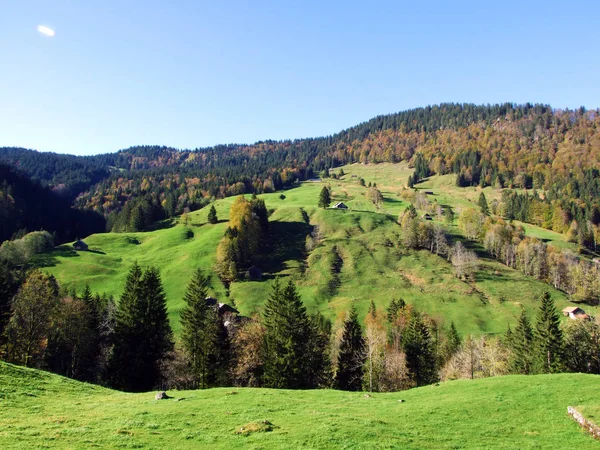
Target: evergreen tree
(324, 198)
(200, 330)
(318, 364)
(548, 336)
(483, 204)
(142, 335)
(522, 346)
(420, 351)
(212, 215)
(288, 339)
(352, 356)
(372, 309)
(452, 344)
(394, 309)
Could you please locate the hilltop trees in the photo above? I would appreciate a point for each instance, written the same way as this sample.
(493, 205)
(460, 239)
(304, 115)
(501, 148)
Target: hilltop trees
(324, 198)
(142, 332)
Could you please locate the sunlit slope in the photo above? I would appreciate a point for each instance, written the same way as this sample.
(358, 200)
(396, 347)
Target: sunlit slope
(41, 410)
(358, 259)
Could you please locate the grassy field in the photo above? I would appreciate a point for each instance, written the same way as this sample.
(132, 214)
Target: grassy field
(41, 410)
(370, 263)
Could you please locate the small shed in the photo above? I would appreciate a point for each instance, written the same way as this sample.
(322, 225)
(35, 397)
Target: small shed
(80, 245)
(573, 312)
(340, 205)
(255, 273)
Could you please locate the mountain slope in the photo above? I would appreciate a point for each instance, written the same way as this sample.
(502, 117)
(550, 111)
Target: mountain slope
(370, 262)
(44, 410)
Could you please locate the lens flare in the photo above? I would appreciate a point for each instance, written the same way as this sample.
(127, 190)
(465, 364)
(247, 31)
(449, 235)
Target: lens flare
(46, 31)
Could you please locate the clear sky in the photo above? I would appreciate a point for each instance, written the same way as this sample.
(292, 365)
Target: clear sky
(193, 73)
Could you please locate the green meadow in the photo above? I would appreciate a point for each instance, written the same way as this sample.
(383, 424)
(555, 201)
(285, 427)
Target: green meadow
(358, 259)
(42, 410)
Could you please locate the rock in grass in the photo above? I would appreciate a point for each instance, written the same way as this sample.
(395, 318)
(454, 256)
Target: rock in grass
(162, 395)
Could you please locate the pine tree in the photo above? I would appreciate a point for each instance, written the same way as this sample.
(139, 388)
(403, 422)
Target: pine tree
(287, 340)
(420, 352)
(86, 296)
(212, 215)
(372, 309)
(522, 346)
(548, 337)
(199, 330)
(351, 358)
(142, 332)
(324, 198)
(483, 204)
(452, 344)
(394, 309)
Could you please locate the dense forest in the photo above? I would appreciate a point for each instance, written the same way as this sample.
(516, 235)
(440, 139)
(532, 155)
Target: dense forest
(532, 147)
(26, 205)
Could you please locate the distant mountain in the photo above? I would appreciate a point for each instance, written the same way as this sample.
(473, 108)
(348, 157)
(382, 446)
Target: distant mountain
(507, 145)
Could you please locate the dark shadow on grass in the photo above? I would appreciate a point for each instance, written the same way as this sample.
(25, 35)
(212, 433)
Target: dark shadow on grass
(198, 225)
(50, 259)
(97, 252)
(287, 242)
(163, 224)
(391, 200)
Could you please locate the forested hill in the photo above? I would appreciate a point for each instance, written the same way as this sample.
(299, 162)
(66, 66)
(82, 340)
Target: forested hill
(25, 205)
(514, 146)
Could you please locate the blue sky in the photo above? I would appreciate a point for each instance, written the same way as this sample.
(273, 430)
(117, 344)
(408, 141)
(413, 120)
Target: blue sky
(192, 73)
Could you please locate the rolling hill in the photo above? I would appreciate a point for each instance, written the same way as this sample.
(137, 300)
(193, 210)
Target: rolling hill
(358, 259)
(42, 410)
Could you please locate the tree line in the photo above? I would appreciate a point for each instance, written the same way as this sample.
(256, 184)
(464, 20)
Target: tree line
(130, 346)
(507, 146)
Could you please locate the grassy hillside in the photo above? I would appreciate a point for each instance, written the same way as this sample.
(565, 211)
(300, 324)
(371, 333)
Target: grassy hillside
(41, 410)
(358, 260)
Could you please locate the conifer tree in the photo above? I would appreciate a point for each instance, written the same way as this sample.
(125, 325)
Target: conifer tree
(199, 330)
(324, 198)
(212, 215)
(394, 309)
(352, 356)
(142, 332)
(420, 352)
(287, 339)
(522, 346)
(452, 344)
(483, 204)
(548, 336)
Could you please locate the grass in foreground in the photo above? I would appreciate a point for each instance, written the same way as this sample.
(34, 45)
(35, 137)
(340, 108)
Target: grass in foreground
(41, 410)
